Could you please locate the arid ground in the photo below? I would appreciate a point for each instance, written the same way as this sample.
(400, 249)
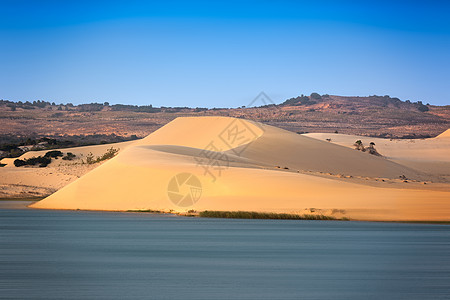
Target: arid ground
(368, 116)
(219, 163)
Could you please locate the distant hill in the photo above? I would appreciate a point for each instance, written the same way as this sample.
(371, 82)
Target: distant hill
(381, 116)
(352, 103)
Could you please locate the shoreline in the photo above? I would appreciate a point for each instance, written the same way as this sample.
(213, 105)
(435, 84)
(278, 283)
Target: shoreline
(239, 215)
(33, 199)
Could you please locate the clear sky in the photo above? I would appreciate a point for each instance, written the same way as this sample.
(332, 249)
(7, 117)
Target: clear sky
(222, 53)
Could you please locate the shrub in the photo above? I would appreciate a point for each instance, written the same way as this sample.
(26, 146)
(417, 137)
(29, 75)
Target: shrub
(19, 163)
(261, 215)
(90, 159)
(69, 156)
(315, 96)
(372, 149)
(359, 146)
(54, 154)
(41, 160)
(301, 100)
(110, 153)
(421, 107)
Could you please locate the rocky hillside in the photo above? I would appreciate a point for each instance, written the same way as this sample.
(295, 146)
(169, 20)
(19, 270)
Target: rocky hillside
(382, 116)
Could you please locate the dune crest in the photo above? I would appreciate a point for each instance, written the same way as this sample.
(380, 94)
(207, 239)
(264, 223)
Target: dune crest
(235, 164)
(198, 132)
(445, 134)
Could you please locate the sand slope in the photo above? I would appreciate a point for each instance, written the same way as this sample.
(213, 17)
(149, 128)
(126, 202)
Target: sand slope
(35, 182)
(243, 165)
(431, 156)
(433, 149)
(80, 153)
(445, 134)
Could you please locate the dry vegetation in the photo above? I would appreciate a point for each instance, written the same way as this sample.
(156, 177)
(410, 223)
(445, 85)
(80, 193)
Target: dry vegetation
(263, 215)
(374, 116)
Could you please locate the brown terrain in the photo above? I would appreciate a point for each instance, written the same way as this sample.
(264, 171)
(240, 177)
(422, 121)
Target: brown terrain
(380, 116)
(84, 130)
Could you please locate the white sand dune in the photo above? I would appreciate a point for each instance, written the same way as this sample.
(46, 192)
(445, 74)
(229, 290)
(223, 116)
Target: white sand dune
(220, 163)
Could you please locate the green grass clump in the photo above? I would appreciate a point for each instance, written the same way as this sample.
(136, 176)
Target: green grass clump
(262, 215)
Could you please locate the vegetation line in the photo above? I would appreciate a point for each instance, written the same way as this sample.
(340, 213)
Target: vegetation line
(262, 215)
(145, 211)
(22, 199)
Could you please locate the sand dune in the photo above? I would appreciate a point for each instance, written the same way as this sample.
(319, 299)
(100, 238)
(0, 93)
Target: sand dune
(34, 182)
(445, 134)
(220, 163)
(433, 149)
(431, 156)
(80, 152)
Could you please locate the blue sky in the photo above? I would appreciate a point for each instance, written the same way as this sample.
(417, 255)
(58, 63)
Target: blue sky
(222, 53)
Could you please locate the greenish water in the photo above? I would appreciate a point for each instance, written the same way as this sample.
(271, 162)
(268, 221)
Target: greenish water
(98, 255)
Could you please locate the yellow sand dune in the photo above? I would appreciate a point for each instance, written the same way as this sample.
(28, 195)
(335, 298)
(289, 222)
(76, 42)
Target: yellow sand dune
(445, 134)
(219, 163)
(431, 155)
(432, 149)
(80, 152)
(31, 182)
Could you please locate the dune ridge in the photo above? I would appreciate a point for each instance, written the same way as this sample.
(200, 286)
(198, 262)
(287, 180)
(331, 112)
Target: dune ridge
(445, 134)
(245, 165)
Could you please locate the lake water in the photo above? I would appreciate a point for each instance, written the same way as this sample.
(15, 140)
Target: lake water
(79, 255)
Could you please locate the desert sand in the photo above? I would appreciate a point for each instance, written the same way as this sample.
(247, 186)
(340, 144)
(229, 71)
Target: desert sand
(221, 163)
(428, 155)
(34, 182)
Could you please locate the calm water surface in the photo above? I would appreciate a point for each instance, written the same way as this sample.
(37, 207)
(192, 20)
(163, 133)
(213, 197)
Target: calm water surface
(79, 255)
